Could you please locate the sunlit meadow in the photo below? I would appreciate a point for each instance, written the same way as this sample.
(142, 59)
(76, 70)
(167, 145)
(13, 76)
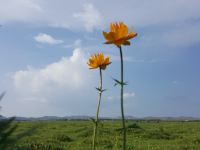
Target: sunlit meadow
(95, 75)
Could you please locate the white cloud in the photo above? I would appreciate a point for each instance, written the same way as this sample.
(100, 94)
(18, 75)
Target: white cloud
(127, 95)
(64, 14)
(90, 16)
(48, 39)
(68, 73)
(77, 43)
(20, 10)
(94, 14)
(149, 13)
(60, 88)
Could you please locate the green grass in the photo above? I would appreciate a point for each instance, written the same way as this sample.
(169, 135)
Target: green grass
(77, 135)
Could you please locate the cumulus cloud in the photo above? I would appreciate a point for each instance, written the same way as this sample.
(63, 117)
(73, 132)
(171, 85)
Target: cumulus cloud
(47, 39)
(68, 73)
(66, 13)
(61, 88)
(127, 95)
(77, 43)
(41, 12)
(95, 14)
(20, 10)
(90, 16)
(155, 12)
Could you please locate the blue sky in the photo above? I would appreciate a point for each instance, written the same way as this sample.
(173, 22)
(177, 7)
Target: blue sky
(44, 48)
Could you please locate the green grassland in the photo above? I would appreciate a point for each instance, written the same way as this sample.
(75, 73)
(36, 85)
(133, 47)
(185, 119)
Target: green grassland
(77, 135)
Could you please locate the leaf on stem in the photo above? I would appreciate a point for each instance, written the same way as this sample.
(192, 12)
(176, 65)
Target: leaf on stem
(100, 90)
(117, 82)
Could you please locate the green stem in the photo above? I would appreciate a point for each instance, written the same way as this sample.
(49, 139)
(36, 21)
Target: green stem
(97, 113)
(122, 101)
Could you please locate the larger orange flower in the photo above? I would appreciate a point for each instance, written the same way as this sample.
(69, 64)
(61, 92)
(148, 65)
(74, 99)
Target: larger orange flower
(118, 34)
(98, 61)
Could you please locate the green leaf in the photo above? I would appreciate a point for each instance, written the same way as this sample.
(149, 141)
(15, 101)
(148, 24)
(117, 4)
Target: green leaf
(117, 82)
(100, 90)
(103, 90)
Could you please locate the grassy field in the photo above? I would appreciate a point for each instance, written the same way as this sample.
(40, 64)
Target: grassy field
(76, 135)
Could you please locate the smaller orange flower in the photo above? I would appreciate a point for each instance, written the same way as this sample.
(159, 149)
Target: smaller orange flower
(118, 34)
(98, 61)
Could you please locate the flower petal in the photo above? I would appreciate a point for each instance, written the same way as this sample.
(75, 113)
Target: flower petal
(98, 61)
(118, 34)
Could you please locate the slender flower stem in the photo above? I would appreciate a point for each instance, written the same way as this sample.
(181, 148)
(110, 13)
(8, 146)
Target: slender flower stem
(97, 113)
(122, 101)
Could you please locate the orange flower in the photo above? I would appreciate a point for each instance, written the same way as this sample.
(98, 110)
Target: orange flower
(118, 34)
(98, 61)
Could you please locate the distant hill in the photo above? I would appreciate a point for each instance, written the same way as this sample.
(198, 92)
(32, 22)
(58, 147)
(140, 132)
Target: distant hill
(52, 118)
(181, 118)
(2, 117)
